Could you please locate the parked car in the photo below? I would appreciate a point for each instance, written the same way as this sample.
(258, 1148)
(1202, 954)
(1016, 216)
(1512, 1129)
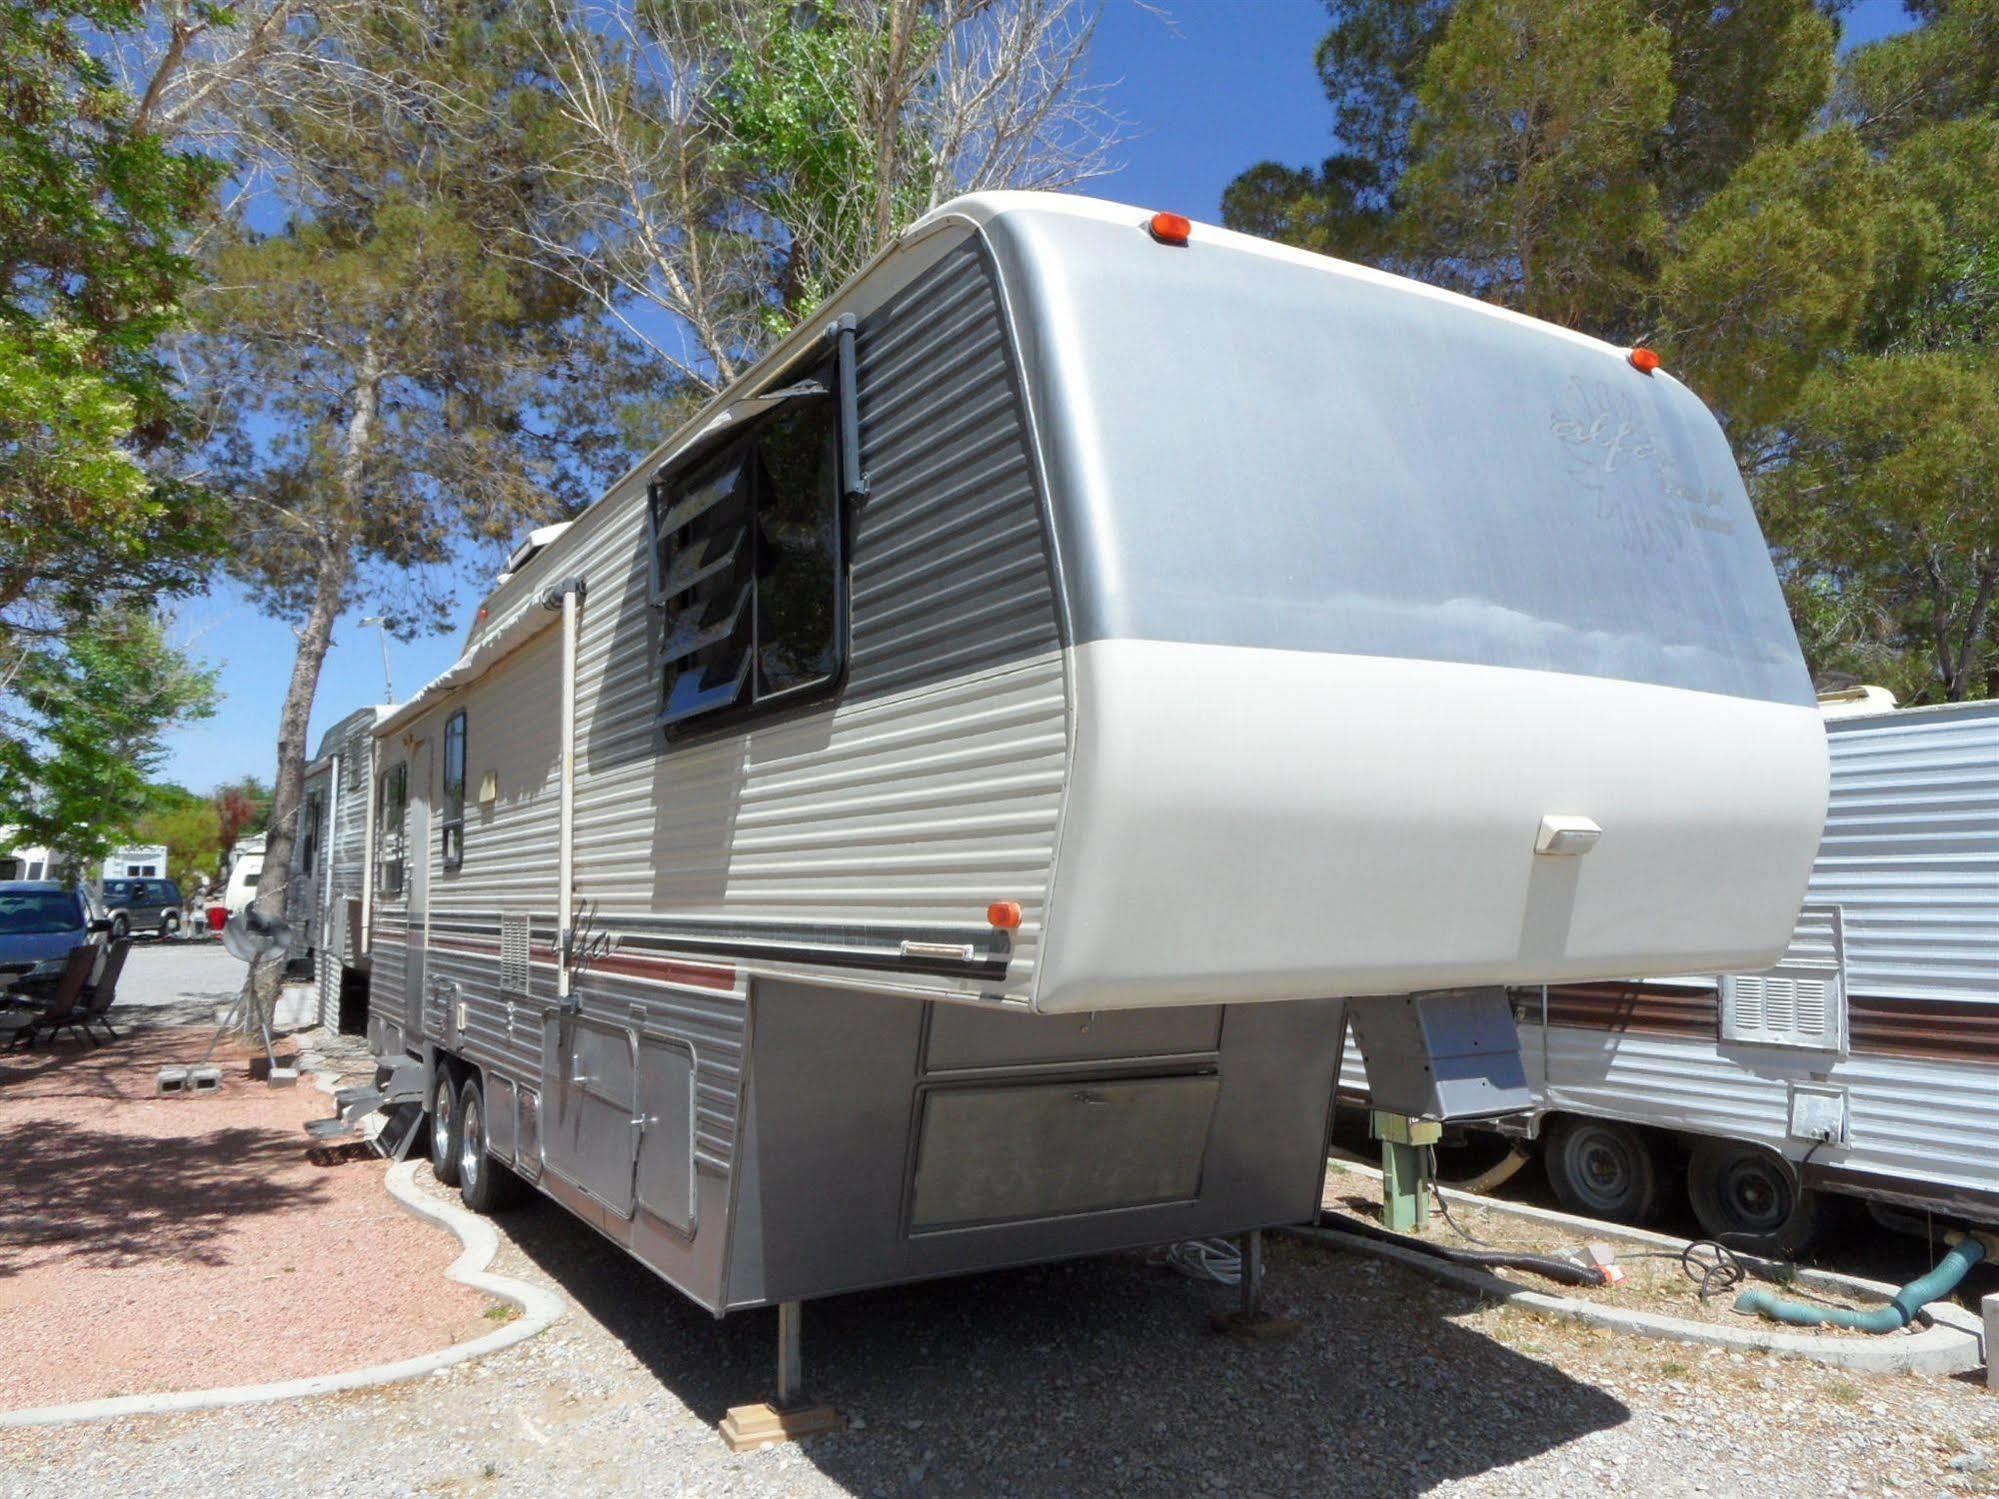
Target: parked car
(40, 922)
(143, 906)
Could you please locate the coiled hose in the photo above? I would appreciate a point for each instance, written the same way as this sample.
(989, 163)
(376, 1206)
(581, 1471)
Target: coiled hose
(1966, 1250)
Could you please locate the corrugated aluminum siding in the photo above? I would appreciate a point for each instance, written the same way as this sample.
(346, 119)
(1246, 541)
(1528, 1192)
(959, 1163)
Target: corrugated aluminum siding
(929, 787)
(1911, 851)
(932, 785)
(1910, 1121)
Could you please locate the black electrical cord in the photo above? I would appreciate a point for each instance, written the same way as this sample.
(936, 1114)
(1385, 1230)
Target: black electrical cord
(1444, 1204)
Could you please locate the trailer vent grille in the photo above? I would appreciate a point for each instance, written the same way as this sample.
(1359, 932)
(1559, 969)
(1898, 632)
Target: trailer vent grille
(1802, 1000)
(514, 952)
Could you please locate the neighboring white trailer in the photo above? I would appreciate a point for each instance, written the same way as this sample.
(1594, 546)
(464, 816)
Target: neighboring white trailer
(1865, 1063)
(926, 816)
(326, 898)
(142, 861)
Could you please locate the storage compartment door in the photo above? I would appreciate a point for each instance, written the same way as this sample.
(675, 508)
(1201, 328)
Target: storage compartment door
(665, 1186)
(1044, 1149)
(589, 1134)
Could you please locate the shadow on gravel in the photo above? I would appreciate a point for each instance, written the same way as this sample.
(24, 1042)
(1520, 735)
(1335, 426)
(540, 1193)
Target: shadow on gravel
(1101, 1376)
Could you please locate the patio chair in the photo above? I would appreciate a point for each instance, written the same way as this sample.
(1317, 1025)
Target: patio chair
(60, 1014)
(97, 997)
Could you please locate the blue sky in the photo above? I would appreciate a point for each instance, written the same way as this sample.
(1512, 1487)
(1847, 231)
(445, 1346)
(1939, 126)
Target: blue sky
(1206, 87)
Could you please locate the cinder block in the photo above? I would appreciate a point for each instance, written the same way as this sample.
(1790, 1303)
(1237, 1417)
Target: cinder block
(204, 1080)
(171, 1081)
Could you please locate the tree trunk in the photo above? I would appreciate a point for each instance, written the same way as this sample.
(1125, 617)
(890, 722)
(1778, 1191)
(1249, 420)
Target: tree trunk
(336, 568)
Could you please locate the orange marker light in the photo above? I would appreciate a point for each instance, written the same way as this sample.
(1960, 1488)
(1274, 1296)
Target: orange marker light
(1004, 914)
(1644, 360)
(1171, 228)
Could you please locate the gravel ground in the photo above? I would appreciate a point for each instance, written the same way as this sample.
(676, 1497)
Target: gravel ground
(161, 1243)
(1097, 1377)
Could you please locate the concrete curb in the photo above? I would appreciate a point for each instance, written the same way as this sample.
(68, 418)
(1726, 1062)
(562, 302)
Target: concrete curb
(539, 1310)
(1950, 1344)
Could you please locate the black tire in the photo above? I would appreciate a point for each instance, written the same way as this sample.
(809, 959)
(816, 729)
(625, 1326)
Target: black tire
(484, 1183)
(1600, 1168)
(120, 927)
(169, 926)
(1750, 1198)
(446, 1128)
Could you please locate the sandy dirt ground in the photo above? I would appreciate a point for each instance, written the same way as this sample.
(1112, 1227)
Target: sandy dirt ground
(153, 1244)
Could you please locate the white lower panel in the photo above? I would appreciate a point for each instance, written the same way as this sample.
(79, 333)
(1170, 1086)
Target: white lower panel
(1246, 824)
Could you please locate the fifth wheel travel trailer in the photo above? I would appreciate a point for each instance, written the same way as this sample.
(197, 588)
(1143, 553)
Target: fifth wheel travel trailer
(929, 814)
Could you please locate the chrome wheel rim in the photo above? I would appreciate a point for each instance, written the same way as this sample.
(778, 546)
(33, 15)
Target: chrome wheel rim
(440, 1124)
(471, 1150)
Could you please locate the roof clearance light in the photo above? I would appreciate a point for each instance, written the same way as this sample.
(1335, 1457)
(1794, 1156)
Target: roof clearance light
(1644, 360)
(1004, 914)
(1170, 228)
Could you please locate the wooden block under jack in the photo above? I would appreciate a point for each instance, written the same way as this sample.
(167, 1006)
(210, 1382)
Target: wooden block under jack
(747, 1427)
(1253, 1327)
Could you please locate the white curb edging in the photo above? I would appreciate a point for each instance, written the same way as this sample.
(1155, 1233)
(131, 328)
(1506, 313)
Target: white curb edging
(1951, 1344)
(539, 1310)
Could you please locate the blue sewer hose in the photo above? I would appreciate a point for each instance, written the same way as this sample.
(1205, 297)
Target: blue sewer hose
(1897, 1314)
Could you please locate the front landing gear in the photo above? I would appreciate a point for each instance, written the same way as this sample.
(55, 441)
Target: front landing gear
(791, 1415)
(1249, 1320)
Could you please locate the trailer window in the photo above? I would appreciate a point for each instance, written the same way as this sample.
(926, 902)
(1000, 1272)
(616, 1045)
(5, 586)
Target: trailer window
(391, 805)
(309, 834)
(749, 568)
(454, 790)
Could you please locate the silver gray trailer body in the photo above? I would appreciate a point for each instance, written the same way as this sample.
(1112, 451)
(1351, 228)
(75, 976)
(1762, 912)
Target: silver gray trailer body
(955, 900)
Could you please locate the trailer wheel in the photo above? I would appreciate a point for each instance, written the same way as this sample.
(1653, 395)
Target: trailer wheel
(1602, 1169)
(446, 1131)
(1750, 1198)
(485, 1184)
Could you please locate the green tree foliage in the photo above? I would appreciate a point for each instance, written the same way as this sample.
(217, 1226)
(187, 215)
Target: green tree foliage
(1526, 180)
(401, 389)
(104, 702)
(189, 829)
(94, 211)
(1801, 253)
(1891, 494)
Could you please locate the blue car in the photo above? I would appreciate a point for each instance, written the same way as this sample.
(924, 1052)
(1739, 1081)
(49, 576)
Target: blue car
(40, 921)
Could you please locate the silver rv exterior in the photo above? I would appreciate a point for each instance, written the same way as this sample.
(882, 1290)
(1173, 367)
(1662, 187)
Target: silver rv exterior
(326, 898)
(865, 845)
(1879, 1028)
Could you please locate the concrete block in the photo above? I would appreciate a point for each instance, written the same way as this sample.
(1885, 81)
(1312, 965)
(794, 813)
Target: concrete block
(172, 1081)
(204, 1079)
(1991, 1307)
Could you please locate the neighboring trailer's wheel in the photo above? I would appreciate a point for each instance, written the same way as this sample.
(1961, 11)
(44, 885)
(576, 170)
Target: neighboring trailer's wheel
(484, 1183)
(446, 1129)
(169, 926)
(1750, 1198)
(1603, 1169)
(120, 927)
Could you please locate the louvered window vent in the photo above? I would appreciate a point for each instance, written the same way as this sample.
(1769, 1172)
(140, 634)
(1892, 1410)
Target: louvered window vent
(1800, 1002)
